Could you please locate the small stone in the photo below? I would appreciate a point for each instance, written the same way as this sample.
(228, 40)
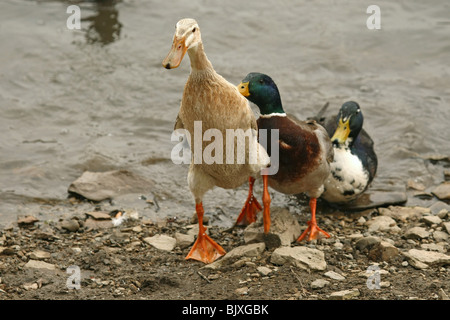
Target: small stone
(302, 257)
(440, 236)
(361, 221)
(405, 263)
(319, 283)
(433, 247)
(76, 250)
(31, 286)
(403, 213)
(334, 275)
(98, 224)
(39, 255)
(385, 284)
(438, 206)
(98, 215)
(366, 242)
(421, 259)
(417, 233)
(443, 295)
(430, 220)
(442, 191)
(284, 229)
(383, 251)
(355, 236)
(184, 240)
(249, 250)
(26, 220)
(34, 264)
(137, 229)
(70, 225)
(381, 223)
(242, 291)
(447, 227)
(264, 270)
(345, 294)
(161, 242)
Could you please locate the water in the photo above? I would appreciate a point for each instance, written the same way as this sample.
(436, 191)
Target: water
(98, 98)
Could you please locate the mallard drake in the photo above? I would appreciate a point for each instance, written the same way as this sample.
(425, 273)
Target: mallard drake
(214, 104)
(355, 161)
(305, 150)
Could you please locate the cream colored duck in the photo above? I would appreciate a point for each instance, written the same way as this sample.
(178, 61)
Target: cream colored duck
(217, 104)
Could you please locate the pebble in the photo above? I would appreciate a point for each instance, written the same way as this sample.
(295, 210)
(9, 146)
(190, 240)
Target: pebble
(236, 254)
(440, 236)
(417, 233)
(442, 191)
(70, 225)
(447, 226)
(284, 226)
(381, 223)
(422, 259)
(161, 242)
(366, 242)
(345, 294)
(334, 275)
(438, 207)
(265, 271)
(35, 264)
(403, 213)
(98, 186)
(302, 257)
(383, 251)
(39, 255)
(184, 240)
(430, 220)
(242, 291)
(319, 283)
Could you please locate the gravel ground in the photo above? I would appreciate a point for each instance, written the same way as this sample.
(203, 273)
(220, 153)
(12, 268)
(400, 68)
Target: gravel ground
(373, 254)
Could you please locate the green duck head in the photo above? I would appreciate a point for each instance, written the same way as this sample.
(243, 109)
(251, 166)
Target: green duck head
(261, 90)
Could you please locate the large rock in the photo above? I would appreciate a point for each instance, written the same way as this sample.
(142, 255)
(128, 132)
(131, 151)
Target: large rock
(422, 259)
(376, 197)
(302, 257)
(98, 186)
(403, 213)
(284, 229)
(442, 191)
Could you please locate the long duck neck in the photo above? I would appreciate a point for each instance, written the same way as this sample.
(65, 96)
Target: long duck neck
(199, 61)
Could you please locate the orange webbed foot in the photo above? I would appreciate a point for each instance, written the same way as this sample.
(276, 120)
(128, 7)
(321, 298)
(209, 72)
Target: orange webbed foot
(204, 249)
(250, 208)
(313, 230)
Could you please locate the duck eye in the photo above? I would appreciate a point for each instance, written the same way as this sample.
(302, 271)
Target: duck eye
(261, 81)
(193, 30)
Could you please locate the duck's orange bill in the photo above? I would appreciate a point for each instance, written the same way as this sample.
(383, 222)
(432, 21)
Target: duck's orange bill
(175, 54)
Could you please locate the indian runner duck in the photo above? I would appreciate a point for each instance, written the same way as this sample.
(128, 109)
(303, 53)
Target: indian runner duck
(305, 150)
(355, 161)
(211, 106)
